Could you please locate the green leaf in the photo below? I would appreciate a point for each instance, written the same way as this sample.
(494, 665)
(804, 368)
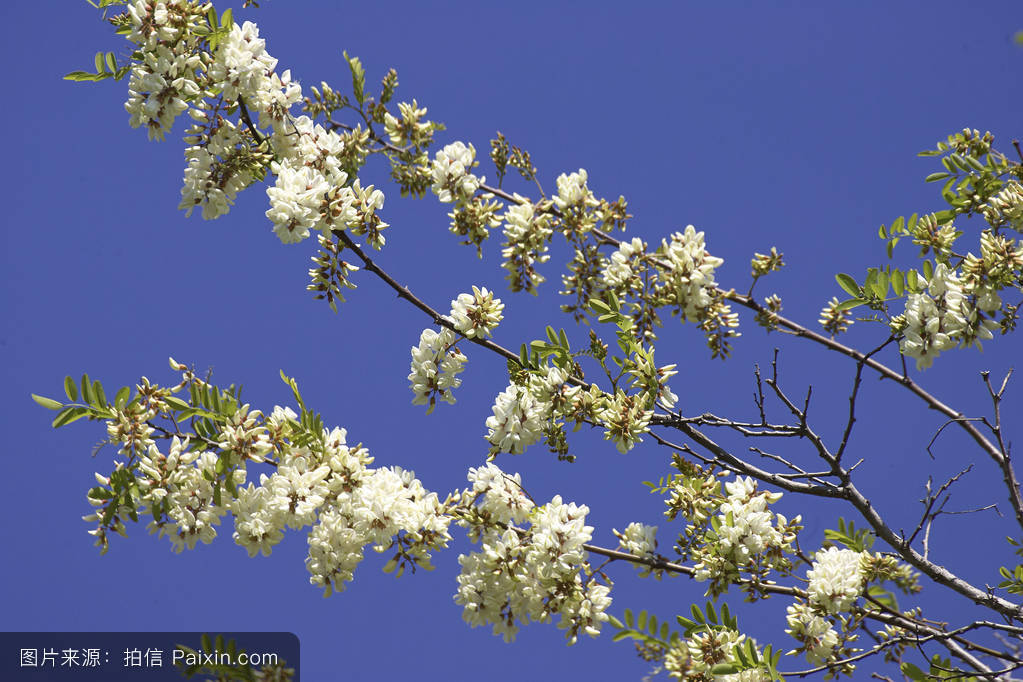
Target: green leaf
(176, 403)
(912, 280)
(358, 77)
(898, 282)
(881, 284)
(97, 392)
(848, 284)
(928, 270)
(111, 62)
(98, 60)
(68, 415)
(48, 403)
(725, 669)
(87, 389)
(226, 20)
(934, 177)
(122, 396)
(850, 304)
(913, 672)
(70, 389)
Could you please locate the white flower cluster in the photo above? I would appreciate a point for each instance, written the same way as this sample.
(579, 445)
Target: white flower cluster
(619, 273)
(638, 539)
(178, 482)
(409, 128)
(384, 503)
(836, 579)
(521, 412)
(573, 194)
(528, 575)
(813, 631)
(1006, 207)
(625, 418)
(309, 192)
(164, 80)
(208, 182)
(476, 315)
(1001, 259)
(690, 275)
(435, 364)
(744, 533)
(241, 65)
(527, 234)
(939, 318)
(452, 179)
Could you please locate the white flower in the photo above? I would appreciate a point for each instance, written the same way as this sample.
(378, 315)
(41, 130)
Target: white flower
(573, 192)
(255, 526)
(619, 272)
(638, 539)
(498, 494)
(476, 315)
(527, 235)
(517, 421)
(451, 177)
(409, 128)
(690, 277)
(814, 632)
(836, 579)
(241, 67)
(295, 201)
(435, 364)
(531, 575)
(935, 318)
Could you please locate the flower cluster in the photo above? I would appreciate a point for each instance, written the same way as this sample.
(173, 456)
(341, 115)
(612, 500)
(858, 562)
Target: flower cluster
(694, 657)
(524, 575)
(527, 233)
(939, 318)
(241, 65)
(573, 194)
(435, 364)
(836, 579)
(814, 632)
(626, 418)
(619, 273)
(476, 315)
(452, 179)
(745, 537)
(164, 80)
(638, 539)
(522, 412)
(688, 281)
(1006, 207)
(409, 129)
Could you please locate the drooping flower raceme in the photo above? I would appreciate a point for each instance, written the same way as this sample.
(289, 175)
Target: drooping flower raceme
(689, 280)
(241, 66)
(836, 579)
(638, 539)
(435, 364)
(452, 176)
(520, 413)
(934, 318)
(813, 631)
(476, 315)
(573, 192)
(527, 234)
(165, 79)
(524, 575)
(745, 536)
(619, 272)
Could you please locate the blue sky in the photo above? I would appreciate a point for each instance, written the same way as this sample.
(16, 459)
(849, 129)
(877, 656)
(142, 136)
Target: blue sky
(763, 124)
